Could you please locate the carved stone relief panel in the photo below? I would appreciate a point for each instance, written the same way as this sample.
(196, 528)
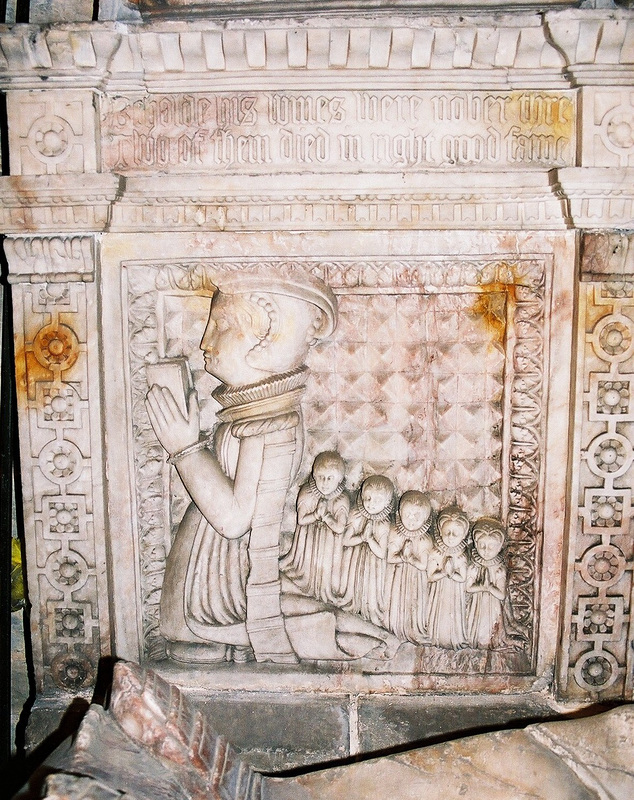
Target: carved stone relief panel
(598, 659)
(434, 380)
(54, 132)
(58, 393)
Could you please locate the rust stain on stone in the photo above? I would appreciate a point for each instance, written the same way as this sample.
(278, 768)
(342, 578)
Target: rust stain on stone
(35, 373)
(490, 306)
(20, 372)
(543, 129)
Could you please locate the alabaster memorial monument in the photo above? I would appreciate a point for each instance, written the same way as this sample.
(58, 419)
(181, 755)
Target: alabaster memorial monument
(324, 340)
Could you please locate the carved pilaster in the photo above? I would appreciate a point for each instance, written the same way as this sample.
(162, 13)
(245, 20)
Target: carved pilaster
(59, 401)
(597, 655)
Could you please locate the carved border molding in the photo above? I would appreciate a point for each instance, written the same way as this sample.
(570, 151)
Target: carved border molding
(566, 48)
(56, 203)
(78, 54)
(599, 197)
(228, 8)
(598, 46)
(527, 276)
(570, 47)
(597, 648)
(99, 202)
(54, 259)
(456, 201)
(108, 56)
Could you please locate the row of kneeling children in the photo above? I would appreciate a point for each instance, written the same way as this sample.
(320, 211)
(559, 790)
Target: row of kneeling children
(429, 578)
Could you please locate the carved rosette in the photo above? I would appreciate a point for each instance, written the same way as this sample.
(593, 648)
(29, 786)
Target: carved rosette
(599, 660)
(58, 398)
(156, 330)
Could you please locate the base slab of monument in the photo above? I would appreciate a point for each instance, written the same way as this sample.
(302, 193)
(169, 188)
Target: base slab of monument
(154, 742)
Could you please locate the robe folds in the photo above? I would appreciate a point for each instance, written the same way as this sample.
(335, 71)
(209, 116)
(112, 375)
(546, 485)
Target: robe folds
(485, 608)
(406, 586)
(447, 571)
(314, 560)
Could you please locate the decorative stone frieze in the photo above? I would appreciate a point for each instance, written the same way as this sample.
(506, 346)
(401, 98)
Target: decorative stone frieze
(479, 52)
(458, 201)
(55, 259)
(598, 46)
(55, 203)
(76, 55)
(599, 197)
(247, 8)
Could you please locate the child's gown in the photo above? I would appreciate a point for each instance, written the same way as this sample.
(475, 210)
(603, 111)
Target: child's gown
(446, 617)
(484, 615)
(406, 587)
(314, 561)
(364, 561)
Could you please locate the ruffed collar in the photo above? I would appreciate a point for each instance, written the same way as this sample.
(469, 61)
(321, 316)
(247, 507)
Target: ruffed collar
(450, 551)
(424, 529)
(268, 398)
(483, 562)
(332, 496)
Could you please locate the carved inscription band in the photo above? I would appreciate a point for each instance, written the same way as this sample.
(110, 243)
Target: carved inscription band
(349, 130)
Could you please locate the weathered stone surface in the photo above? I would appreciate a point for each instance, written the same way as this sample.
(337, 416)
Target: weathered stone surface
(428, 175)
(169, 751)
(74, 787)
(386, 723)
(275, 732)
(42, 12)
(567, 760)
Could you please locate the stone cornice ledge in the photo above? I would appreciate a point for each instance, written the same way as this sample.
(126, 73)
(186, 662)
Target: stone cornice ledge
(297, 8)
(76, 55)
(491, 50)
(423, 201)
(480, 200)
(580, 197)
(598, 45)
(57, 203)
(599, 197)
(496, 51)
